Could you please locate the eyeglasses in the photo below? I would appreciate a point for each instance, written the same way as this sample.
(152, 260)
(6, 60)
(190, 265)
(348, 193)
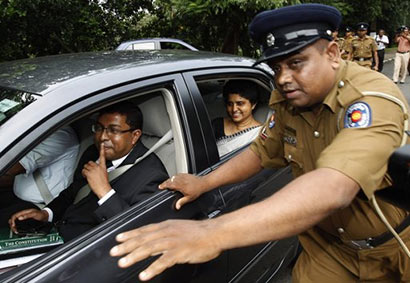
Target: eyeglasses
(111, 131)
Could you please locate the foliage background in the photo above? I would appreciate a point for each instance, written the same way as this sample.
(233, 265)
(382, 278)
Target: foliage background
(46, 27)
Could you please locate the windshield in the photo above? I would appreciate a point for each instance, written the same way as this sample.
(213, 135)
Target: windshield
(13, 101)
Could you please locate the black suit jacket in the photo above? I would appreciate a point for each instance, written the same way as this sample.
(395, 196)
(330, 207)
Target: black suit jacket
(131, 187)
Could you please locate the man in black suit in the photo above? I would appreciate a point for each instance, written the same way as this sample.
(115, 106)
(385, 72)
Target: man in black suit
(117, 142)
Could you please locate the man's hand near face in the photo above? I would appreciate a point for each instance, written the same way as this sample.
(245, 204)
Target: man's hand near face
(96, 175)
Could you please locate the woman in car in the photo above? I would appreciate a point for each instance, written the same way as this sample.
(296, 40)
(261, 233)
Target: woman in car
(240, 127)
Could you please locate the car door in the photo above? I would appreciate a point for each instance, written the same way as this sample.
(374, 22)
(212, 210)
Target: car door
(90, 250)
(259, 263)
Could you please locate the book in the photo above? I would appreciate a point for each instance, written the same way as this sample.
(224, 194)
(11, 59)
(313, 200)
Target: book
(13, 243)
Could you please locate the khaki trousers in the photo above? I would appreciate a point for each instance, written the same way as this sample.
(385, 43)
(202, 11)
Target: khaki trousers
(323, 261)
(400, 66)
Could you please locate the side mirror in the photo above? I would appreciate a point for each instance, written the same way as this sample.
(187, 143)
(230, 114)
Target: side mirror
(399, 169)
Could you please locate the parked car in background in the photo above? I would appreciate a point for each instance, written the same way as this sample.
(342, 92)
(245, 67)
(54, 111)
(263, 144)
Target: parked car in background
(179, 92)
(155, 44)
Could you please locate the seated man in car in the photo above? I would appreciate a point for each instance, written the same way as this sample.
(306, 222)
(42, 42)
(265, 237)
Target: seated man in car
(40, 175)
(117, 135)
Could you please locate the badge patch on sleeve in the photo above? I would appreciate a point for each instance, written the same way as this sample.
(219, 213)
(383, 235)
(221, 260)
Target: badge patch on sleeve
(358, 115)
(272, 120)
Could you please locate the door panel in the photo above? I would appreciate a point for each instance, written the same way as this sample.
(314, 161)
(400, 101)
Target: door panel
(87, 259)
(258, 262)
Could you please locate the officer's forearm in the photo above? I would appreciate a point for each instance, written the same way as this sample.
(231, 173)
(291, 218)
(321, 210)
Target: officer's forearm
(240, 168)
(297, 207)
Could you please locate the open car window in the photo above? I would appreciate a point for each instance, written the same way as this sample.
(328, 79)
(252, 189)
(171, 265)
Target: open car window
(212, 94)
(161, 129)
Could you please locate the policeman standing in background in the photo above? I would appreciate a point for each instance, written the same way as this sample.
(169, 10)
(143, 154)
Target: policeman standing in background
(336, 124)
(363, 48)
(347, 41)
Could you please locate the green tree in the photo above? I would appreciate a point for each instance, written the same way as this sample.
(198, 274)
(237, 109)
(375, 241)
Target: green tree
(42, 27)
(388, 15)
(210, 25)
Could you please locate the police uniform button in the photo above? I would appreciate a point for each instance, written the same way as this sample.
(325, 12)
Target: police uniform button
(316, 134)
(341, 84)
(290, 156)
(340, 230)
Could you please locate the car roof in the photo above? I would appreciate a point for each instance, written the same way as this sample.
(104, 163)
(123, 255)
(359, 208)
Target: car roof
(44, 75)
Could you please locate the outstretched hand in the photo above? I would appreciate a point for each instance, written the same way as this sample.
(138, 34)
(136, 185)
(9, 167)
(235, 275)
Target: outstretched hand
(176, 241)
(189, 185)
(96, 175)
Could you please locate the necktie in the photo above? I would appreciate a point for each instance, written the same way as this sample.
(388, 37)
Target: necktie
(108, 165)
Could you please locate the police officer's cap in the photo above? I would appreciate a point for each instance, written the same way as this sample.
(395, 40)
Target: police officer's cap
(362, 26)
(283, 31)
(348, 29)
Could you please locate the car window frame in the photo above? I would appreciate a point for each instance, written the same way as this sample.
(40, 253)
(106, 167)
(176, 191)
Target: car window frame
(91, 104)
(232, 73)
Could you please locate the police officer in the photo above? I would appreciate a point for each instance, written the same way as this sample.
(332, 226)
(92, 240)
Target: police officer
(364, 48)
(336, 124)
(347, 41)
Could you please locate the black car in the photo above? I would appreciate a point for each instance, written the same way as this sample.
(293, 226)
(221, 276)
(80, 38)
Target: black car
(179, 92)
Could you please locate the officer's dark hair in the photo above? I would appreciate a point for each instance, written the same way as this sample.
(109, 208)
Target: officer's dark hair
(321, 44)
(245, 88)
(128, 109)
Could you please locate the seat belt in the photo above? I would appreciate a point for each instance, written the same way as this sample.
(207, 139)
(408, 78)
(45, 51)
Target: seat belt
(42, 187)
(85, 190)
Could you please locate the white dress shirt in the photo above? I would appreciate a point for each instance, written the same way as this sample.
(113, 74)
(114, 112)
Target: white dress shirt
(56, 159)
(381, 42)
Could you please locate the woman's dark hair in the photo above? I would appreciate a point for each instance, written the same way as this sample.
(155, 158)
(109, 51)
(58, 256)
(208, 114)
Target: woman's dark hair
(245, 88)
(129, 110)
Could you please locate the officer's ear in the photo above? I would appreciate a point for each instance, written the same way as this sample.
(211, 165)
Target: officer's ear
(333, 53)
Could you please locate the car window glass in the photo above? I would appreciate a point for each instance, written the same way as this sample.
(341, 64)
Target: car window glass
(212, 94)
(141, 46)
(171, 45)
(13, 101)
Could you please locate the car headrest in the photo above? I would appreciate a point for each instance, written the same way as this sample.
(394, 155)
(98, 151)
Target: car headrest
(156, 119)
